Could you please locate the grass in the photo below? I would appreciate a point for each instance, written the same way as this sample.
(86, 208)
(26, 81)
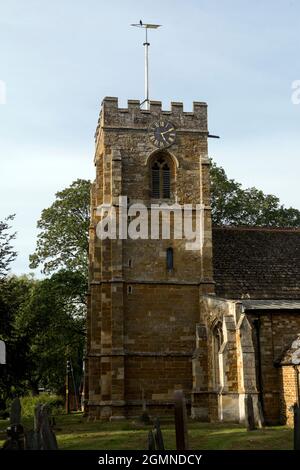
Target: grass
(74, 432)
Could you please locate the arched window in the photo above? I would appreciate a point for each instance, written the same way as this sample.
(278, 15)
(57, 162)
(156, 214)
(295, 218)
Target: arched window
(160, 178)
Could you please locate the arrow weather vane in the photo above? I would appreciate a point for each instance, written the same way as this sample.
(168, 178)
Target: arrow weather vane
(146, 44)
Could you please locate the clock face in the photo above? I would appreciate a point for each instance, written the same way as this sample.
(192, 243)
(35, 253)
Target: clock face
(162, 133)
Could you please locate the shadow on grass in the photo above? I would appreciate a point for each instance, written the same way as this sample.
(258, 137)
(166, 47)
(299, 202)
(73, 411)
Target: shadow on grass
(74, 432)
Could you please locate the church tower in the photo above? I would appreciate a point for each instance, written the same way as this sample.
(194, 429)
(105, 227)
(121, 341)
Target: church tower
(145, 326)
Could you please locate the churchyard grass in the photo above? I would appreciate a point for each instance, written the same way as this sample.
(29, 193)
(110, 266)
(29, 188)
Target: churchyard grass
(74, 432)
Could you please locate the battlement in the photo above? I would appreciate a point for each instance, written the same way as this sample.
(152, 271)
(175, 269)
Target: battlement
(110, 102)
(135, 117)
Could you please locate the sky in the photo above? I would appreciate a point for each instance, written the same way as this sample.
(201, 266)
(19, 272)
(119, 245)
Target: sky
(59, 58)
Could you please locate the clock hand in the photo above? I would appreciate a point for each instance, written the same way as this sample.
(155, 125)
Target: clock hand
(169, 130)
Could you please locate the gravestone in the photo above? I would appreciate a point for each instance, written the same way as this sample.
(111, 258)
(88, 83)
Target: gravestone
(151, 441)
(15, 412)
(249, 413)
(31, 442)
(181, 421)
(296, 427)
(155, 438)
(158, 436)
(15, 432)
(15, 438)
(261, 421)
(47, 435)
(2, 352)
(42, 437)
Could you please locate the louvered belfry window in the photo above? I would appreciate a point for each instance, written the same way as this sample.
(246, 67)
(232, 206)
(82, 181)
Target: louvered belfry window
(166, 181)
(161, 179)
(155, 180)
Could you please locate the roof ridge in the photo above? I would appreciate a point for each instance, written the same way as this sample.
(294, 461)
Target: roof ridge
(246, 228)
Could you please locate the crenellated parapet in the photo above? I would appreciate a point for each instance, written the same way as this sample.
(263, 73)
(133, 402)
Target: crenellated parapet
(111, 116)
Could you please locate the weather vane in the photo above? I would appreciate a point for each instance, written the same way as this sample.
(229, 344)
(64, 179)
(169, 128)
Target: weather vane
(146, 44)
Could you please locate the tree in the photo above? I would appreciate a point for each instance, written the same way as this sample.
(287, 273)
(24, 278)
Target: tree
(43, 324)
(233, 205)
(14, 294)
(63, 238)
(53, 321)
(7, 253)
(51, 327)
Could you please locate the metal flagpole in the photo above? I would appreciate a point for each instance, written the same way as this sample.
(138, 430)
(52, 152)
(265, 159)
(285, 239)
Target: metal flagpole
(146, 44)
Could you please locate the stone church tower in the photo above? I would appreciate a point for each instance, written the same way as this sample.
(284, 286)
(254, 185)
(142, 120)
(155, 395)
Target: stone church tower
(224, 328)
(146, 334)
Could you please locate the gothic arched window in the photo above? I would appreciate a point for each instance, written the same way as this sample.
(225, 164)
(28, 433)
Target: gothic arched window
(161, 178)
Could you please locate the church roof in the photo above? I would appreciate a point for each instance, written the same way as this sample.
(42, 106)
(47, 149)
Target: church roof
(256, 263)
(291, 356)
(267, 304)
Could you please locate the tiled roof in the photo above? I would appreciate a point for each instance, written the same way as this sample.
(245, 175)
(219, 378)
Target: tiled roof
(271, 304)
(257, 263)
(292, 355)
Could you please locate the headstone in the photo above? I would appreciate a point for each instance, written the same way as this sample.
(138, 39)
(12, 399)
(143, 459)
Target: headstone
(37, 442)
(15, 438)
(2, 352)
(48, 437)
(155, 438)
(261, 421)
(15, 432)
(158, 436)
(151, 441)
(296, 427)
(30, 440)
(181, 421)
(42, 437)
(15, 412)
(249, 413)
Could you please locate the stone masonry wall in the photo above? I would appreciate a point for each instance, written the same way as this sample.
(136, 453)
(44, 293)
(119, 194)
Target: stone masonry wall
(142, 318)
(288, 394)
(277, 330)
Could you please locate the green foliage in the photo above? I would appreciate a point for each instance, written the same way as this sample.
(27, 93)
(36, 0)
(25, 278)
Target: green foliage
(14, 294)
(233, 205)
(55, 404)
(43, 324)
(43, 321)
(51, 326)
(7, 253)
(63, 238)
